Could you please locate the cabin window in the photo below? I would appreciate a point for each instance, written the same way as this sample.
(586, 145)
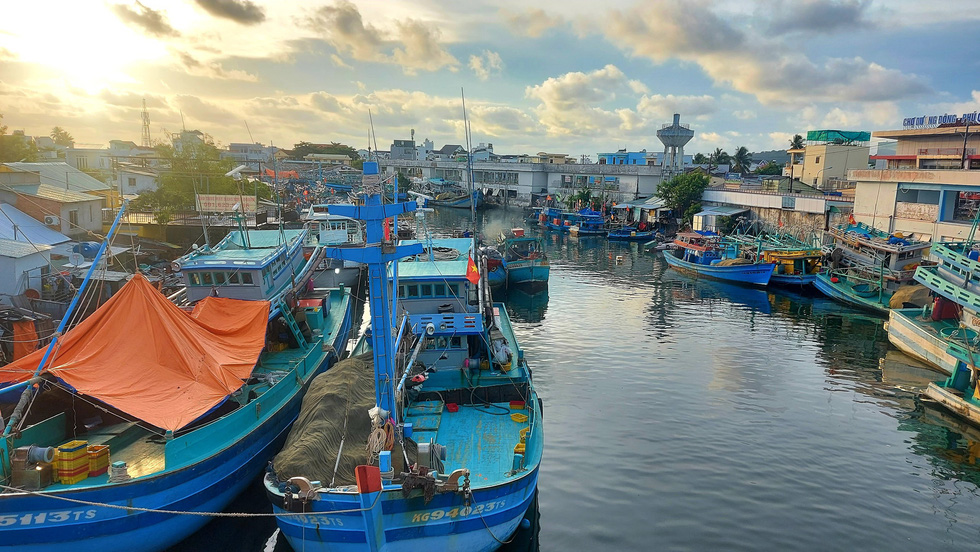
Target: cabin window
(401, 292)
(206, 278)
(233, 279)
(453, 290)
(426, 290)
(442, 342)
(456, 342)
(195, 279)
(219, 278)
(413, 290)
(439, 290)
(247, 278)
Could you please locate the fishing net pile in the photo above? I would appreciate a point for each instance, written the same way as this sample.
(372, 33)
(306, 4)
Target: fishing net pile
(734, 262)
(344, 392)
(914, 295)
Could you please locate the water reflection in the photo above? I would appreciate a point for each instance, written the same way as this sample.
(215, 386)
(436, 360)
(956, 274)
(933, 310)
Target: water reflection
(525, 305)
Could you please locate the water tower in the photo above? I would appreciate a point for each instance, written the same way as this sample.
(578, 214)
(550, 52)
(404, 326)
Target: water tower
(674, 136)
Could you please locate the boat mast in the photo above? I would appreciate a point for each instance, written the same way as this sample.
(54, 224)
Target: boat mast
(472, 191)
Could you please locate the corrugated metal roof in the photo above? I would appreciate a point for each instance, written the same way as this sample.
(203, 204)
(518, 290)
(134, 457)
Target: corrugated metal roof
(721, 210)
(54, 193)
(18, 249)
(446, 264)
(28, 229)
(56, 174)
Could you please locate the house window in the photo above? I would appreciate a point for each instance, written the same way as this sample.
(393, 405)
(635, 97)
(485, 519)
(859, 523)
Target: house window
(818, 160)
(81, 163)
(131, 183)
(73, 218)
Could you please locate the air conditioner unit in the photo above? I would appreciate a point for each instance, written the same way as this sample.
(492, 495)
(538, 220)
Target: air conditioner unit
(51, 220)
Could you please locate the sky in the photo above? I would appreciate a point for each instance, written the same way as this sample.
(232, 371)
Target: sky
(565, 76)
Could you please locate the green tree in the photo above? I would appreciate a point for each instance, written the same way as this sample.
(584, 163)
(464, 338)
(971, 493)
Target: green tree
(796, 142)
(700, 159)
(15, 147)
(770, 168)
(719, 157)
(302, 149)
(192, 169)
(682, 194)
(62, 137)
(741, 160)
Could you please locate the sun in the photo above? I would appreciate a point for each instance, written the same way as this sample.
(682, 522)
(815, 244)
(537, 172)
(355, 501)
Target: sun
(80, 44)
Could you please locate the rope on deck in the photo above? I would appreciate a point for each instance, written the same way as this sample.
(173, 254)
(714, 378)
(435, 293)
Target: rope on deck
(188, 513)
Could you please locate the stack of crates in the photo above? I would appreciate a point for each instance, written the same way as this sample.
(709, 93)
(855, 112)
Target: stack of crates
(72, 462)
(98, 460)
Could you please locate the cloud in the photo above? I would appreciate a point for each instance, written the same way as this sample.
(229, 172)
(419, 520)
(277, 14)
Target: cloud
(744, 114)
(199, 111)
(818, 16)
(774, 72)
(486, 64)
(7, 55)
(663, 107)
(339, 62)
(531, 23)
(416, 48)
(132, 100)
(212, 69)
(326, 102)
(240, 11)
(151, 21)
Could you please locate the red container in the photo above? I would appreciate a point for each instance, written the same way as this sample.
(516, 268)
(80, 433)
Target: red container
(452, 407)
(368, 479)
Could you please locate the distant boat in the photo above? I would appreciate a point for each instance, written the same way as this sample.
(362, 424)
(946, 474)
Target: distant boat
(496, 268)
(706, 255)
(632, 233)
(868, 266)
(168, 409)
(555, 218)
(461, 417)
(525, 259)
(586, 222)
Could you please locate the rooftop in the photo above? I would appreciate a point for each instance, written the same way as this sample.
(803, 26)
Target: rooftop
(17, 249)
(451, 259)
(62, 175)
(18, 226)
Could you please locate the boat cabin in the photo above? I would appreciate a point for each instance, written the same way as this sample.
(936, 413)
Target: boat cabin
(253, 266)
(333, 230)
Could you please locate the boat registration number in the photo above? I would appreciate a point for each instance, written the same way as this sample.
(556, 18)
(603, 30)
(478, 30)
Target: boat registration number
(45, 517)
(321, 520)
(435, 515)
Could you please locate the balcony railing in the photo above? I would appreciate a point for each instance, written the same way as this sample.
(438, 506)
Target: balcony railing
(946, 151)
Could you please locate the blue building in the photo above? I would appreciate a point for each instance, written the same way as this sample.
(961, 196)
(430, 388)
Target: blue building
(623, 157)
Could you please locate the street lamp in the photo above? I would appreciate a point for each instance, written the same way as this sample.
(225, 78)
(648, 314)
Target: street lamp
(820, 171)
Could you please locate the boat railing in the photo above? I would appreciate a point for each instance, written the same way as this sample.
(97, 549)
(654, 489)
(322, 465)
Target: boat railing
(872, 274)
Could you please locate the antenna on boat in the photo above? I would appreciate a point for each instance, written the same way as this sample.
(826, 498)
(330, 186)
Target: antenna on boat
(472, 192)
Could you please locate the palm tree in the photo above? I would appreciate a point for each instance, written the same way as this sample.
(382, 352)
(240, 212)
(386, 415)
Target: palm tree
(719, 157)
(61, 136)
(741, 160)
(796, 142)
(700, 159)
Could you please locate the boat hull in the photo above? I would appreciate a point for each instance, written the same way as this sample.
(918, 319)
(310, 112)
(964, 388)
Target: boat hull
(919, 341)
(497, 278)
(953, 401)
(792, 279)
(755, 274)
(409, 524)
(842, 294)
(523, 273)
(42, 522)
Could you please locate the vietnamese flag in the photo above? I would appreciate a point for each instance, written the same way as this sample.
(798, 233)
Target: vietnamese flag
(472, 274)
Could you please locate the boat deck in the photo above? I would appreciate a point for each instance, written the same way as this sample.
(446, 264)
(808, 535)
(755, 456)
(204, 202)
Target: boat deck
(480, 438)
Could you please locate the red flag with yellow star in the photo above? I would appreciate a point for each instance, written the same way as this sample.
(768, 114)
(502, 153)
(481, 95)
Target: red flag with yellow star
(472, 274)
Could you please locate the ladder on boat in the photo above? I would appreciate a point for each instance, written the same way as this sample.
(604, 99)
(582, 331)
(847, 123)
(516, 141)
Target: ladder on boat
(287, 315)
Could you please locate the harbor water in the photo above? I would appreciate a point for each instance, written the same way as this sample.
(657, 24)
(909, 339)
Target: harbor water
(686, 414)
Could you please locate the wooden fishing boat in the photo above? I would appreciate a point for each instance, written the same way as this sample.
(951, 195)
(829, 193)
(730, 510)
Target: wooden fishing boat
(867, 266)
(631, 233)
(706, 255)
(160, 415)
(328, 230)
(460, 469)
(797, 262)
(586, 222)
(525, 258)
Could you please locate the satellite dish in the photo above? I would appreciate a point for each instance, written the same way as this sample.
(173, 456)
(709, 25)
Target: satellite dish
(76, 259)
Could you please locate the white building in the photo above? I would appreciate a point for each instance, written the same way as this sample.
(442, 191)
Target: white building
(22, 266)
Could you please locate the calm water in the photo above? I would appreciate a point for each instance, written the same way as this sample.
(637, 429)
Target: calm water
(685, 414)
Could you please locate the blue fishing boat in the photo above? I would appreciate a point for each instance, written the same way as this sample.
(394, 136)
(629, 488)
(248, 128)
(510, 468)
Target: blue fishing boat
(494, 266)
(797, 262)
(587, 222)
(525, 259)
(555, 218)
(454, 463)
(146, 418)
(706, 255)
(867, 266)
(631, 233)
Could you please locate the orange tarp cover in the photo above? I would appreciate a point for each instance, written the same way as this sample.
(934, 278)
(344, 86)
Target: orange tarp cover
(25, 338)
(145, 356)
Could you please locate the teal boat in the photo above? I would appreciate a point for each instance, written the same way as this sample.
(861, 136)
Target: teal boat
(868, 266)
(449, 396)
(525, 259)
(170, 409)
